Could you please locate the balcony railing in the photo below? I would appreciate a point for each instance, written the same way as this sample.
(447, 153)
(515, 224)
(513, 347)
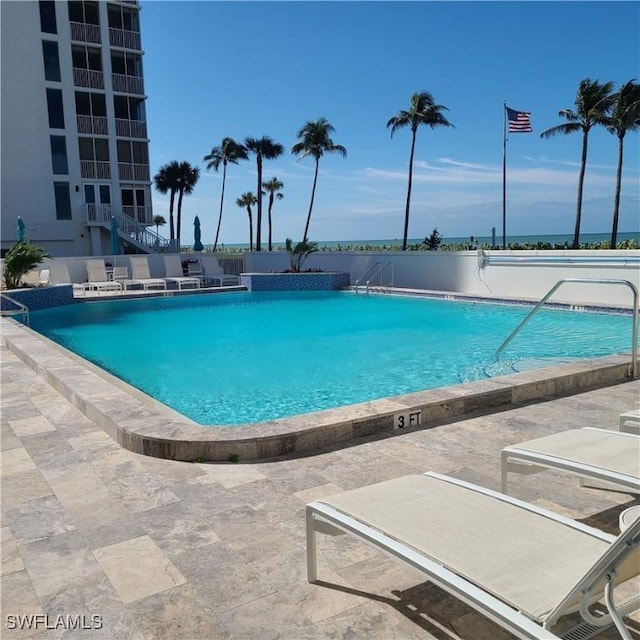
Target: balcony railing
(84, 32)
(95, 170)
(93, 125)
(131, 128)
(143, 215)
(125, 39)
(128, 225)
(88, 78)
(127, 84)
(137, 172)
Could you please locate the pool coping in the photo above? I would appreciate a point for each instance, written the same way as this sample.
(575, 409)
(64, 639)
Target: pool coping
(145, 426)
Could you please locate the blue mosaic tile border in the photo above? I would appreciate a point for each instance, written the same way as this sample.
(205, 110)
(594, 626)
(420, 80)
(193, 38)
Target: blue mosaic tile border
(38, 298)
(295, 281)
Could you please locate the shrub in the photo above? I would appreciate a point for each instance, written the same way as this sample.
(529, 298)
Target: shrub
(19, 260)
(299, 253)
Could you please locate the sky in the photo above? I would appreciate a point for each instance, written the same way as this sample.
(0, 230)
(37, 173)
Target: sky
(241, 68)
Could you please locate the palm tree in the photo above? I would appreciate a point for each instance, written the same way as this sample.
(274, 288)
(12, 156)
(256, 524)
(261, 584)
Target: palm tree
(625, 116)
(247, 199)
(422, 110)
(263, 148)
(314, 140)
(593, 104)
(229, 151)
(272, 186)
(187, 178)
(166, 181)
(159, 221)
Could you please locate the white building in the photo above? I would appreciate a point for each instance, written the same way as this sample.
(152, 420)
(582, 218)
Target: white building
(74, 133)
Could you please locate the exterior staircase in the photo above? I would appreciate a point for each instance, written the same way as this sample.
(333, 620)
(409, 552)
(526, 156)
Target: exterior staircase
(130, 231)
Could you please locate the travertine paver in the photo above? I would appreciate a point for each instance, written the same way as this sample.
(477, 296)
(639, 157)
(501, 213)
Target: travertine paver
(159, 549)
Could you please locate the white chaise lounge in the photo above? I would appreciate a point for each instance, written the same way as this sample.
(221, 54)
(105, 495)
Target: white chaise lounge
(521, 566)
(141, 274)
(174, 275)
(97, 278)
(598, 454)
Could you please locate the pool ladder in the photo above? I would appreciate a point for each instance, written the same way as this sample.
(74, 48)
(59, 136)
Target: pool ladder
(376, 269)
(21, 310)
(634, 330)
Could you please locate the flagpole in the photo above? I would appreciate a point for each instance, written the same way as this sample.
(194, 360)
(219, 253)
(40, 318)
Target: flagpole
(504, 175)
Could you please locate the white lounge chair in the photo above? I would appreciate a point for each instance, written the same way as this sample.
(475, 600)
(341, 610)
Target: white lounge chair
(521, 566)
(97, 278)
(44, 278)
(598, 454)
(213, 272)
(140, 272)
(173, 273)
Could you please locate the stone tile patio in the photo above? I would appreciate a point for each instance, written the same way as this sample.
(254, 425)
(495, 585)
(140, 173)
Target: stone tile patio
(159, 549)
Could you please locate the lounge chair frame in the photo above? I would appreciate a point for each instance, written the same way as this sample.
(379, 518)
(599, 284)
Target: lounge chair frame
(518, 459)
(630, 422)
(324, 518)
(97, 278)
(171, 264)
(141, 275)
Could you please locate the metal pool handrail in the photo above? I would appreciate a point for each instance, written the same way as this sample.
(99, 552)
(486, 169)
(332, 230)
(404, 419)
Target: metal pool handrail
(21, 310)
(371, 271)
(634, 330)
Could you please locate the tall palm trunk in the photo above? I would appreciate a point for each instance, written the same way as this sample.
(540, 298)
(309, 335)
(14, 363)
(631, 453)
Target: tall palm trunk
(313, 195)
(616, 201)
(406, 211)
(179, 219)
(259, 195)
(171, 226)
(583, 167)
(250, 228)
(271, 198)
(224, 179)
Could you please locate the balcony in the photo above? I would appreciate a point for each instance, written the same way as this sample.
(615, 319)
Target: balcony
(83, 32)
(93, 125)
(95, 170)
(88, 78)
(99, 213)
(128, 84)
(125, 39)
(131, 129)
(136, 172)
(143, 215)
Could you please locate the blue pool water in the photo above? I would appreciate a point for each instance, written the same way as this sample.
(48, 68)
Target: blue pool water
(247, 357)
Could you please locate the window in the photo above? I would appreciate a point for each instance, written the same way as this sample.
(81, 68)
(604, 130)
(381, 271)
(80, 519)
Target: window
(129, 108)
(48, 16)
(123, 18)
(126, 64)
(59, 155)
(93, 149)
(90, 104)
(133, 152)
(51, 61)
(87, 12)
(63, 200)
(54, 105)
(86, 58)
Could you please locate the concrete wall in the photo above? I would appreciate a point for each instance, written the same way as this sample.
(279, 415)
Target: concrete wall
(459, 271)
(443, 271)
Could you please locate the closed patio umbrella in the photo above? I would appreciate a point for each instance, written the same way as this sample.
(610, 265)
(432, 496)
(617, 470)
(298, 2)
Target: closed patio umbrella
(115, 238)
(20, 233)
(197, 244)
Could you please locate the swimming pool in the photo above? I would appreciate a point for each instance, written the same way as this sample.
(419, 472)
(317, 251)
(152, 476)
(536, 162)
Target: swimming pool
(248, 357)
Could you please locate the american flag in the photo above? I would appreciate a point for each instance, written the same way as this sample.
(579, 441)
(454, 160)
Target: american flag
(519, 121)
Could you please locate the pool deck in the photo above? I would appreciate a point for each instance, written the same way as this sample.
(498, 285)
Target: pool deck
(163, 549)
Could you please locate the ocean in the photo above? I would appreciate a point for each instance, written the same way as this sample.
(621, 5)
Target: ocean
(479, 241)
